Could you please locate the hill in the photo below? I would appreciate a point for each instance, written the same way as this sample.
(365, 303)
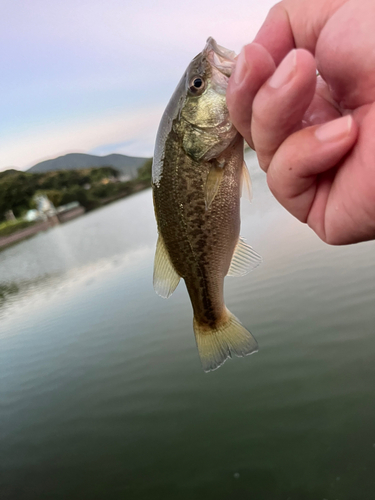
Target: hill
(126, 165)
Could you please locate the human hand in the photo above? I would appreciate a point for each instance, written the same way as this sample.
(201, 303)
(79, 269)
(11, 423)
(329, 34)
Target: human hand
(315, 137)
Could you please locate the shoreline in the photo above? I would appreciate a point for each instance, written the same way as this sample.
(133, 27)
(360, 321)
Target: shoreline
(28, 232)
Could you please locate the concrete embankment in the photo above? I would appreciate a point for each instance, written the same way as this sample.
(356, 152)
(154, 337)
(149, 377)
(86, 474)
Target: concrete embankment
(40, 226)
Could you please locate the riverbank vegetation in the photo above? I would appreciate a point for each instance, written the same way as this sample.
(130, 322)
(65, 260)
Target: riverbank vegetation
(11, 226)
(91, 187)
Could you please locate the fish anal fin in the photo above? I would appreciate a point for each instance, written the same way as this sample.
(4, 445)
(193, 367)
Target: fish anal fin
(247, 189)
(166, 278)
(215, 174)
(244, 259)
(215, 346)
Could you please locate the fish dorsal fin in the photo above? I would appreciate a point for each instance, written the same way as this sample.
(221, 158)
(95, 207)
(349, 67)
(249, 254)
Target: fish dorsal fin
(247, 189)
(215, 174)
(244, 259)
(166, 278)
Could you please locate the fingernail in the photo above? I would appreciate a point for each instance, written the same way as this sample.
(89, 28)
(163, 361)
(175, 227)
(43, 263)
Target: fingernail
(284, 71)
(241, 68)
(334, 130)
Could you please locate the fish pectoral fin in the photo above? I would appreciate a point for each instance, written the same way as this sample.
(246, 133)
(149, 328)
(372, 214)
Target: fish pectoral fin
(247, 189)
(166, 278)
(218, 344)
(244, 259)
(213, 181)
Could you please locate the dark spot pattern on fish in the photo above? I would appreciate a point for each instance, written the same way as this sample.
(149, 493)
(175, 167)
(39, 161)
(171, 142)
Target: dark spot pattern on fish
(199, 242)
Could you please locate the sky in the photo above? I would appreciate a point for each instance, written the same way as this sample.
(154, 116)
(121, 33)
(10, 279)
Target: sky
(94, 76)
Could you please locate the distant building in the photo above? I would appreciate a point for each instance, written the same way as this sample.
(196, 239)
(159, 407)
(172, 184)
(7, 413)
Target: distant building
(67, 207)
(108, 180)
(69, 211)
(44, 205)
(124, 178)
(53, 215)
(32, 215)
(45, 209)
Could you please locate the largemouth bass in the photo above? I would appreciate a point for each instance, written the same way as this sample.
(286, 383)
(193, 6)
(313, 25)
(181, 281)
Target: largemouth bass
(197, 173)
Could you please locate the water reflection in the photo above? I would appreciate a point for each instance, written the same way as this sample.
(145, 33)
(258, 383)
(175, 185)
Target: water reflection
(79, 250)
(10, 290)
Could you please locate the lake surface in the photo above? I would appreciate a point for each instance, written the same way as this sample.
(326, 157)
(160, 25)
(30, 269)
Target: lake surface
(102, 395)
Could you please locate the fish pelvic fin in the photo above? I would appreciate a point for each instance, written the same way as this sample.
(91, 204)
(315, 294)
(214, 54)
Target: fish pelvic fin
(213, 181)
(166, 278)
(216, 345)
(244, 259)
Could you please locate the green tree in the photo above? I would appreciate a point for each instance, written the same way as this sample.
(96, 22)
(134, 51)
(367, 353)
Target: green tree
(16, 192)
(145, 171)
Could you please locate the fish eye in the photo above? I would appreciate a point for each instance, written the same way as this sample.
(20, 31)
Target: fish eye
(197, 85)
(198, 82)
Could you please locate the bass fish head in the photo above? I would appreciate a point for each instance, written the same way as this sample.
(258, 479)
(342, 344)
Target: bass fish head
(197, 112)
(205, 126)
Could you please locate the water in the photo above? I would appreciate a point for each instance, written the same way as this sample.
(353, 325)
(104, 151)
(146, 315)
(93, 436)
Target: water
(103, 396)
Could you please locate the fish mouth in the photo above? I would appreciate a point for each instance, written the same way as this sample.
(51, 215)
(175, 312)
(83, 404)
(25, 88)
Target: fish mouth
(221, 58)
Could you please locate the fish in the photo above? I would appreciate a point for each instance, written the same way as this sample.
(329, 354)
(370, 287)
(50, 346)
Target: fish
(198, 172)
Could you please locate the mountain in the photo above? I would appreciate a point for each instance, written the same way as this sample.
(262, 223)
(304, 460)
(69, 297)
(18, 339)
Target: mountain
(127, 165)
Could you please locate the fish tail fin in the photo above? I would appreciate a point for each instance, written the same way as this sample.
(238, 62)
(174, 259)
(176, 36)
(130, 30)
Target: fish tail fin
(217, 344)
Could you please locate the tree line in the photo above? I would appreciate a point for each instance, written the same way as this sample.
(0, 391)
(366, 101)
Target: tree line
(87, 186)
